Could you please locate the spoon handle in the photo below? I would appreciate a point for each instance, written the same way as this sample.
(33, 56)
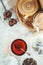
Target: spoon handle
(3, 5)
(26, 52)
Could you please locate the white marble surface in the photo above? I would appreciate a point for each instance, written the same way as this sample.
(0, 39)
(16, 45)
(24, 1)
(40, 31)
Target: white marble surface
(8, 34)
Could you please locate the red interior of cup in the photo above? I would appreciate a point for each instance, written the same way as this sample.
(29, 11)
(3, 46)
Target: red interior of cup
(17, 45)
